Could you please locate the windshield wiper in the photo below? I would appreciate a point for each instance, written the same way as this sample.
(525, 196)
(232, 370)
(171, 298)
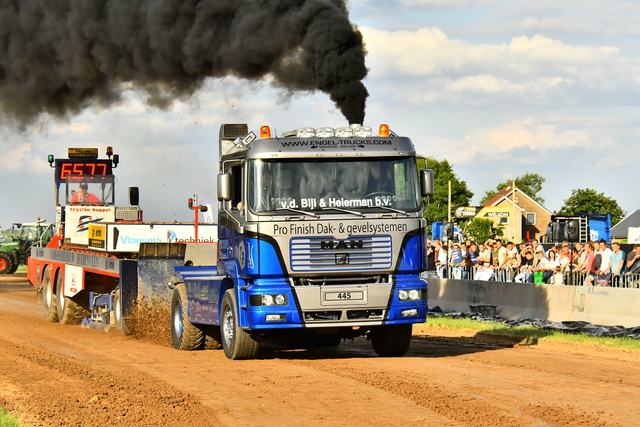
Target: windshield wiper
(387, 208)
(298, 211)
(360, 214)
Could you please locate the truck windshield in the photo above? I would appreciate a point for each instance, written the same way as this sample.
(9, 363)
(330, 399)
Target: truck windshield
(316, 185)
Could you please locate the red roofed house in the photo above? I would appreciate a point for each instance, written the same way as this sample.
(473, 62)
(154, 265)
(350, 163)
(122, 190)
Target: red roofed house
(522, 217)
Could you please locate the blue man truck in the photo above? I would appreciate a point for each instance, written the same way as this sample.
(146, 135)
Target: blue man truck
(320, 237)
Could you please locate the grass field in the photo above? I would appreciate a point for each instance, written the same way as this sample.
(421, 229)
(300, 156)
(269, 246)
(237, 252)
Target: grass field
(532, 332)
(6, 420)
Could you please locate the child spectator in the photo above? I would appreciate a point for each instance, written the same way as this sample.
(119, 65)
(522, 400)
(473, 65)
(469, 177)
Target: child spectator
(557, 278)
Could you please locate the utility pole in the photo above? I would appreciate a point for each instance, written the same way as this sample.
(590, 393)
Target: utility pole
(449, 204)
(513, 210)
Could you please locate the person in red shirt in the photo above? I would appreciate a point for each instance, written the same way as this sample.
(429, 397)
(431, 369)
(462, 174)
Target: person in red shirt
(83, 195)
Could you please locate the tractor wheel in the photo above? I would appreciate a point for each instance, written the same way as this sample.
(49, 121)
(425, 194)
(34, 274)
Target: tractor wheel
(6, 264)
(236, 342)
(13, 269)
(391, 340)
(184, 334)
(69, 312)
(48, 297)
(213, 338)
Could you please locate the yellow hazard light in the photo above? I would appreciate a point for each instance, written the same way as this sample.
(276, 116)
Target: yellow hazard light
(265, 132)
(384, 130)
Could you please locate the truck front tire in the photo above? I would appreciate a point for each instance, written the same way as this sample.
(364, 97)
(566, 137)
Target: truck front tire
(184, 334)
(236, 342)
(69, 312)
(391, 340)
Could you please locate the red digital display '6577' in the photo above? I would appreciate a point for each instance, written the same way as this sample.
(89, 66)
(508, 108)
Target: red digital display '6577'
(91, 167)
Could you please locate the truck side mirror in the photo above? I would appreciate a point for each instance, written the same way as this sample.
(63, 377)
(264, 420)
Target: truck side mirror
(426, 182)
(134, 196)
(224, 186)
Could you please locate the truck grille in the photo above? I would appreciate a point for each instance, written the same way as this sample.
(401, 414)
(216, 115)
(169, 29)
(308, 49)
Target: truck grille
(327, 254)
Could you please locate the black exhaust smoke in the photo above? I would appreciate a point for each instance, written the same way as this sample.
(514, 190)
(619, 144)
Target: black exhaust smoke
(58, 57)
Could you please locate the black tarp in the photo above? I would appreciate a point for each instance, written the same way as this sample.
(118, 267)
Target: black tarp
(568, 326)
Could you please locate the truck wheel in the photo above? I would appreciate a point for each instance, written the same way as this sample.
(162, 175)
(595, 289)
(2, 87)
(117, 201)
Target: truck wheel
(212, 338)
(391, 340)
(6, 263)
(121, 324)
(184, 334)
(236, 342)
(48, 298)
(69, 312)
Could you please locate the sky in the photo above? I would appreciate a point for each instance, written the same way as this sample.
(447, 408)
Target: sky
(498, 88)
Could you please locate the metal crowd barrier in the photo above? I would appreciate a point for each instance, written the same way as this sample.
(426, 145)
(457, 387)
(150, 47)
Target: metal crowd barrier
(510, 274)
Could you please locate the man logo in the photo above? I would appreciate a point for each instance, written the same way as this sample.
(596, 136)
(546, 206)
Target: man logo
(342, 259)
(342, 244)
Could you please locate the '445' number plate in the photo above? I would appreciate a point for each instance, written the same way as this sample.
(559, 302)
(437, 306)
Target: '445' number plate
(343, 296)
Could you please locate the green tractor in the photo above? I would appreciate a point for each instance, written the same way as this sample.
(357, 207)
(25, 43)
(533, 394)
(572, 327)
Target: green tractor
(16, 247)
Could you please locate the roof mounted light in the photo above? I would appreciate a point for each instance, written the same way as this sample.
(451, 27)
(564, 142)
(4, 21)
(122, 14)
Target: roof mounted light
(265, 132)
(344, 132)
(362, 131)
(325, 132)
(384, 130)
(306, 133)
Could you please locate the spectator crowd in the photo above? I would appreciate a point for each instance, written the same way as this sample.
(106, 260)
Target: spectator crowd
(590, 264)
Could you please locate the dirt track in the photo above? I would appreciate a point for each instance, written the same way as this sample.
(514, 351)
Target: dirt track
(52, 374)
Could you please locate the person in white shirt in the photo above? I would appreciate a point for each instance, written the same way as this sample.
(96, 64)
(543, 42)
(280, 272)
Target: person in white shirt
(604, 271)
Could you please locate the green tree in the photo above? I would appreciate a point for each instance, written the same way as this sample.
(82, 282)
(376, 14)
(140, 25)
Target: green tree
(529, 183)
(590, 201)
(481, 229)
(438, 208)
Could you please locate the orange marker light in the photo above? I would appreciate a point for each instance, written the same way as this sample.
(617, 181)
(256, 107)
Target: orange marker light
(109, 151)
(384, 130)
(265, 132)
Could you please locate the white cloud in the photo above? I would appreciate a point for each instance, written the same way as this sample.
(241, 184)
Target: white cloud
(436, 3)
(540, 138)
(531, 69)
(16, 158)
(522, 141)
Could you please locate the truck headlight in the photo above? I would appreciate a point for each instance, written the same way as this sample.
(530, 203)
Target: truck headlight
(269, 299)
(410, 294)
